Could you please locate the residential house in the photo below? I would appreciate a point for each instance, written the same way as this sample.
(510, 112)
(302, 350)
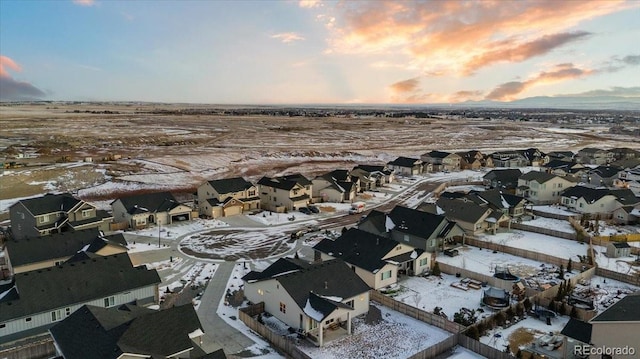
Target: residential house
(375, 259)
(418, 229)
(510, 205)
(618, 249)
(563, 168)
(561, 155)
(142, 210)
(381, 173)
(534, 157)
(594, 156)
(441, 161)
(227, 197)
(577, 335)
(542, 187)
(318, 300)
(473, 160)
(502, 179)
(618, 326)
(129, 331)
(335, 186)
(286, 193)
(624, 153)
(602, 176)
(55, 213)
(626, 214)
(509, 159)
(34, 301)
(406, 166)
(471, 217)
(602, 201)
(29, 254)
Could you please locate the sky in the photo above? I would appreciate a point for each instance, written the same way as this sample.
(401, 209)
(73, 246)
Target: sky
(317, 52)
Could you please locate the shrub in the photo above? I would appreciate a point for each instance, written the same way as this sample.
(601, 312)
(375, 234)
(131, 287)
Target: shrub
(501, 318)
(473, 332)
(527, 303)
(436, 269)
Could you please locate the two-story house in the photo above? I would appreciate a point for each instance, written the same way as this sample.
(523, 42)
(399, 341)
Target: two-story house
(509, 159)
(335, 186)
(470, 216)
(55, 213)
(502, 179)
(34, 301)
(594, 156)
(542, 187)
(140, 211)
(601, 201)
(286, 193)
(311, 299)
(441, 161)
(602, 176)
(406, 166)
(227, 197)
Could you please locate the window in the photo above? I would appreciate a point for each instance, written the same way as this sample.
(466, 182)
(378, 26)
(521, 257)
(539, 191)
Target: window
(351, 303)
(260, 291)
(86, 213)
(423, 262)
(385, 275)
(274, 199)
(43, 219)
(283, 307)
(55, 316)
(406, 238)
(2, 325)
(28, 319)
(109, 302)
(252, 193)
(67, 311)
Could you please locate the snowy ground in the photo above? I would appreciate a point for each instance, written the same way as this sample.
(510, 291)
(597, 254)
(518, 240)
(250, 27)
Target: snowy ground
(604, 292)
(426, 293)
(554, 209)
(464, 353)
(397, 336)
(178, 229)
(499, 337)
(550, 223)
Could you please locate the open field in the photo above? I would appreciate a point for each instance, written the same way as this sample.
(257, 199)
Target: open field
(176, 147)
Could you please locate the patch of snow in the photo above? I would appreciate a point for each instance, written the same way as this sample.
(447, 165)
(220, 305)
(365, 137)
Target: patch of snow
(312, 312)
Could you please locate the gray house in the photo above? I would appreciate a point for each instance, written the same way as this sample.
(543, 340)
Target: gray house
(502, 179)
(406, 166)
(34, 301)
(55, 213)
(139, 211)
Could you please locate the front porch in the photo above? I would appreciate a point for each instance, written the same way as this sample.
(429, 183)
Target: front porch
(329, 333)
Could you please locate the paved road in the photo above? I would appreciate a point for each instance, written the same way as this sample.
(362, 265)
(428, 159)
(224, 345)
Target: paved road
(219, 334)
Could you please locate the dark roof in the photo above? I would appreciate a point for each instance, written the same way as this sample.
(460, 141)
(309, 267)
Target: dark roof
(109, 332)
(329, 278)
(624, 310)
(371, 168)
(323, 305)
(560, 154)
(540, 177)
(606, 171)
(418, 223)
(407, 256)
(621, 244)
(437, 154)
(149, 202)
(59, 245)
(282, 265)
(230, 185)
(496, 198)
(51, 288)
(346, 186)
(404, 162)
(338, 175)
(360, 248)
(591, 150)
(577, 329)
(377, 219)
(624, 196)
(505, 176)
(285, 182)
(559, 164)
(50, 203)
(461, 209)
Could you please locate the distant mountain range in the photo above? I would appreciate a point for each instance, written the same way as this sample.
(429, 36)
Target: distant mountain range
(563, 102)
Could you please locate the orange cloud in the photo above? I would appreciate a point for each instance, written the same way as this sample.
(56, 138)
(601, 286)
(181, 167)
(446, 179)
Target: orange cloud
(309, 3)
(287, 37)
(508, 91)
(460, 37)
(410, 85)
(11, 89)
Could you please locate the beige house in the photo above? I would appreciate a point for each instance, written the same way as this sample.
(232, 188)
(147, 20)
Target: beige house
(472, 217)
(601, 201)
(331, 187)
(406, 166)
(377, 260)
(227, 197)
(55, 213)
(318, 300)
(442, 161)
(618, 327)
(29, 254)
(542, 187)
(286, 193)
(141, 211)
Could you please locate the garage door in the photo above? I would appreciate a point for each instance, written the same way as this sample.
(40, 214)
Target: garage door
(233, 210)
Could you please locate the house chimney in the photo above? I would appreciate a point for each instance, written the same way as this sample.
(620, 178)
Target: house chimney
(326, 285)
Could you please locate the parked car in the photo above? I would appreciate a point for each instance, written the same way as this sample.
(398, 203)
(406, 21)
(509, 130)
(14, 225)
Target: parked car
(314, 209)
(305, 210)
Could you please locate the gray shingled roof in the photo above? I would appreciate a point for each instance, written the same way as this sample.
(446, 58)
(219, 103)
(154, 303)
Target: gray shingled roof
(540, 177)
(418, 223)
(230, 185)
(285, 182)
(625, 196)
(466, 211)
(280, 266)
(50, 203)
(360, 248)
(505, 176)
(404, 162)
(73, 283)
(624, 310)
(578, 330)
(149, 202)
(109, 332)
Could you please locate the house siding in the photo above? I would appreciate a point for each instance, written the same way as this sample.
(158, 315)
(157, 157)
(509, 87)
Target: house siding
(41, 322)
(23, 224)
(626, 334)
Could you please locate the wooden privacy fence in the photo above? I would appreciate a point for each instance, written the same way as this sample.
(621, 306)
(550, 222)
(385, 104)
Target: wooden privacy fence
(482, 349)
(555, 215)
(622, 277)
(283, 343)
(629, 237)
(547, 231)
(36, 350)
(437, 349)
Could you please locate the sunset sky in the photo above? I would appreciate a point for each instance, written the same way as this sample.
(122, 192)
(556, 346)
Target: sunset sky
(304, 52)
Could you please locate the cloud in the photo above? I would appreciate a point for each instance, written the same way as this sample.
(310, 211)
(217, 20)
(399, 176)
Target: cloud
(631, 60)
(508, 91)
(613, 91)
(309, 3)
(459, 37)
(11, 89)
(84, 2)
(410, 85)
(287, 37)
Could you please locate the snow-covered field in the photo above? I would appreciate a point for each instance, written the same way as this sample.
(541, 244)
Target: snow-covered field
(550, 223)
(498, 337)
(397, 336)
